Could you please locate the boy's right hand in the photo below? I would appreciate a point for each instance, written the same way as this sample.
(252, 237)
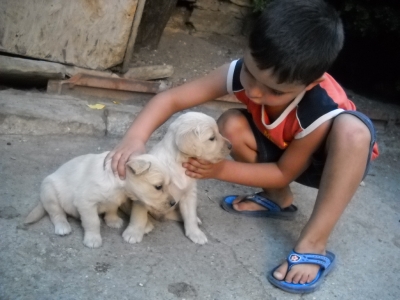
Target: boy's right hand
(120, 155)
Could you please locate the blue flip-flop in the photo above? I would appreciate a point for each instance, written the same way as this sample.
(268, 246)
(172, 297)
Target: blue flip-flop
(273, 210)
(326, 262)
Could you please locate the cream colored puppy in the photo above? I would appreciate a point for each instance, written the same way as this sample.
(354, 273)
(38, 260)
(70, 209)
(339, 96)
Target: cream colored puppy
(192, 134)
(83, 188)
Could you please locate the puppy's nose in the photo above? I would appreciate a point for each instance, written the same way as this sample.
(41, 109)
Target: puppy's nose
(229, 146)
(172, 202)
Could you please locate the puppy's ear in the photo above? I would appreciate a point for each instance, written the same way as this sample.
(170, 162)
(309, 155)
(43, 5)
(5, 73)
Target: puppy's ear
(138, 166)
(197, 131)
(188, 143)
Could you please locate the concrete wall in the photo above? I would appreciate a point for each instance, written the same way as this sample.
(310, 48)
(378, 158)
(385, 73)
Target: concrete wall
(86, 33)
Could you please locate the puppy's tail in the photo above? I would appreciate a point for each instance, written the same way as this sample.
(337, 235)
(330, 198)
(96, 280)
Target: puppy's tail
(36, 214)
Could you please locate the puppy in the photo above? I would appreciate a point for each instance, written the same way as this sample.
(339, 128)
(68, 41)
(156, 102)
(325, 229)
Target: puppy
(192, 134)
(83, 188)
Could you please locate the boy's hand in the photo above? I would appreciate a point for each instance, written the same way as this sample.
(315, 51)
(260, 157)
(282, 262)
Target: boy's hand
(121, 154)
(202, 169)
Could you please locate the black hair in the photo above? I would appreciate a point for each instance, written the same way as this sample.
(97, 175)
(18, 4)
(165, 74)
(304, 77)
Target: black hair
(299, 39)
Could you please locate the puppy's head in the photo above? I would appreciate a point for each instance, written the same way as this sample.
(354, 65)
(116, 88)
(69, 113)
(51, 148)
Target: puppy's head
(197, 135)
(148, 181)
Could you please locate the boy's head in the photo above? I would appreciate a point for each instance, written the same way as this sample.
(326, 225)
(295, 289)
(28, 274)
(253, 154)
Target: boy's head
(297, 40)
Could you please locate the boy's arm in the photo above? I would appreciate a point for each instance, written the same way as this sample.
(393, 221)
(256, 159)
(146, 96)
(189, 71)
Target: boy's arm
(293, 162)
(160, 108)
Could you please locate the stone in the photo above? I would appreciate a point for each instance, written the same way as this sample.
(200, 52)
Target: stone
(216, 22)
(245, 3)
(236, 11)
(207, 4)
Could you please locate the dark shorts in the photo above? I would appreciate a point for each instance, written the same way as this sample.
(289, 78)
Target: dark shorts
(269, 152)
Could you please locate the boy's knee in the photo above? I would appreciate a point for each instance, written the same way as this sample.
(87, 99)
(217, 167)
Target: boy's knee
(230, 122)
(350, 131)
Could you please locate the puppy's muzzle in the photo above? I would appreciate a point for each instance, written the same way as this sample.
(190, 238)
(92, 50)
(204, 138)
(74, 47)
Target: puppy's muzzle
(228, 144)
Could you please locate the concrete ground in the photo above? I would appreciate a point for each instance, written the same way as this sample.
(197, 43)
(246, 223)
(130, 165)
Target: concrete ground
(39, 132)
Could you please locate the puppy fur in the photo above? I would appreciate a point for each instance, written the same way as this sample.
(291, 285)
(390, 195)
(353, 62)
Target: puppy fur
(192, 134)
(83, 188)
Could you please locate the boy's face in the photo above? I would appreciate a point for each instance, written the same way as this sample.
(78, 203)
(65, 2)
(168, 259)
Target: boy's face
(261, 87)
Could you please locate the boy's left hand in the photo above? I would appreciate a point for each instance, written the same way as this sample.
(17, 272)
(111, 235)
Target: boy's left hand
(202, 169)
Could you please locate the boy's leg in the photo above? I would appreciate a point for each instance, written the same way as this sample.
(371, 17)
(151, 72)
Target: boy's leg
(236, 128)
(347, 149)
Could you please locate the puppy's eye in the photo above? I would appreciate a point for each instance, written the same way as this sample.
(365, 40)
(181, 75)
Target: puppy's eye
(212, 138)
(158, 187)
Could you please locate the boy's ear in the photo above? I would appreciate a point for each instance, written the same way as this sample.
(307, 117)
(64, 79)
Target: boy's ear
(315, 82)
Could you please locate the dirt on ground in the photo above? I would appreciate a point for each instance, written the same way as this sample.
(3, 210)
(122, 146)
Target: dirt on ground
(191, 55)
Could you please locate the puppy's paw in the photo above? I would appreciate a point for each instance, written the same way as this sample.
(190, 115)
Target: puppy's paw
(62, 228)
(114, 222)
(92, 240)
(197, 236)
(149, 227)
(133, 235)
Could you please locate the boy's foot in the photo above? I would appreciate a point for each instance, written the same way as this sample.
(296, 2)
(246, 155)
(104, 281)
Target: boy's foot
(302, 274)
(306, 273)
(325, 265)
(241, 204)
(261, 207)
(281, 197)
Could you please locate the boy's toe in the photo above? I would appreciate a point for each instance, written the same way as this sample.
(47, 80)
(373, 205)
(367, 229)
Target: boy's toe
(290, 277)
(305, 279)
(296, 278)
(280, 272)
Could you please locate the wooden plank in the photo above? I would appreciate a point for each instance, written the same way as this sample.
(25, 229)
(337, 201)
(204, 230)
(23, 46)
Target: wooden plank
(16, 67)
(154, 19)
(109, 83)
(123, 84)
(92, 93)
(132, 37)
(149, 72)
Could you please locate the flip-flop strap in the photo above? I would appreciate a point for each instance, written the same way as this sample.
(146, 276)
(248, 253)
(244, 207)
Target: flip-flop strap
(295, 258)
(264, 202)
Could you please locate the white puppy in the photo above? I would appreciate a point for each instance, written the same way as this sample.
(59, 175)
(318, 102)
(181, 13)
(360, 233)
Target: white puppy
(83, 188)
(192, 134)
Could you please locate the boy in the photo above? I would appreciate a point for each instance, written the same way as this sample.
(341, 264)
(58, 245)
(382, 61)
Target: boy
(299, 126)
